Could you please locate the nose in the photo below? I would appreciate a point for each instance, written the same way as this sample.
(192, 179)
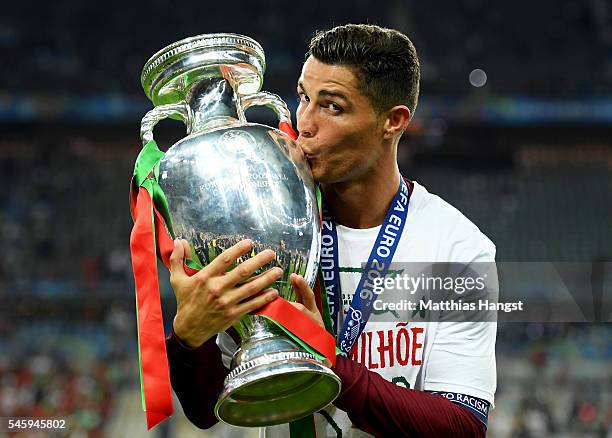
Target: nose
(306, 123)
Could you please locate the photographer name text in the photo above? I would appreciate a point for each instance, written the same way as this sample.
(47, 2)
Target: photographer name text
(481, 305)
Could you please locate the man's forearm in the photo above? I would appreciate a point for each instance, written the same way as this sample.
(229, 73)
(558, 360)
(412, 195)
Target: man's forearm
(382, 408)
(197, 376)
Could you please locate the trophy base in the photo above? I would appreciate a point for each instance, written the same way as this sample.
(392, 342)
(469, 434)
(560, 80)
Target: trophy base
(276, 388)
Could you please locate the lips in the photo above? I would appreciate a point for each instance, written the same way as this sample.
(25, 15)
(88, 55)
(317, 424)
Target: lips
(307, 153)
(309, 157)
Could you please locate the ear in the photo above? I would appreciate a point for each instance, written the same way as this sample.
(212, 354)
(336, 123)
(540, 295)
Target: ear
(396, 121)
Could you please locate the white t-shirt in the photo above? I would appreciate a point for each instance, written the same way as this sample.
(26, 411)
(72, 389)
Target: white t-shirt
(424, 355)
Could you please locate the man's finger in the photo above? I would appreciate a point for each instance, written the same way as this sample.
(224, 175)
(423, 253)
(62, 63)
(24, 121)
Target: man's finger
(244, 270)
(304, 291)
(252, 278)
(186, 248)
(251, 288)
(176, 259)
(298, 306)
(255, 303)
(224, 260)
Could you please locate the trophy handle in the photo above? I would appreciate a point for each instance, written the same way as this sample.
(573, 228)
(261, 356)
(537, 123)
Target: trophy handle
(177, 111)
(271, 100)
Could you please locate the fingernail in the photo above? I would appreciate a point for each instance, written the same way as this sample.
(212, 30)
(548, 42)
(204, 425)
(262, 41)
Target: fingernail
(247, 244)
(278, 271)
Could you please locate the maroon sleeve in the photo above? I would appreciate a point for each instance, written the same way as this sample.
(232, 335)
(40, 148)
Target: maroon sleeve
(382, 408)
(197, 376)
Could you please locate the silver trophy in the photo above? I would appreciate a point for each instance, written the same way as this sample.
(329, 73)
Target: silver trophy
(228, 180)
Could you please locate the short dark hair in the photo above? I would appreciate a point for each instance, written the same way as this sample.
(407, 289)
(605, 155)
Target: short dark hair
(384, 60)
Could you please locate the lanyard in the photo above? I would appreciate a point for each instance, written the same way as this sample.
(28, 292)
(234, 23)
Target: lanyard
(377, 266)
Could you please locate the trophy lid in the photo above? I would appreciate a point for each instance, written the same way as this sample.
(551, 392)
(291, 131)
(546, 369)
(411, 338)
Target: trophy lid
(168, 75)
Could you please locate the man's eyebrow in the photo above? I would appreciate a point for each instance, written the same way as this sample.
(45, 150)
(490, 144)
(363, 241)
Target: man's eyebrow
(326, 93)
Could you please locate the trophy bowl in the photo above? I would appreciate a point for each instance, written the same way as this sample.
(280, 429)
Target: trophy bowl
(229, 180)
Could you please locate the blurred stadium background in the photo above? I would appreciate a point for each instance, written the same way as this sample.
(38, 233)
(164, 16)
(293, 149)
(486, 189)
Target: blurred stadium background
(513, 127)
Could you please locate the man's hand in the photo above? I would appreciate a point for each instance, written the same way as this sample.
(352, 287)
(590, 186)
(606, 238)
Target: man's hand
(306, 299)
(213, 300)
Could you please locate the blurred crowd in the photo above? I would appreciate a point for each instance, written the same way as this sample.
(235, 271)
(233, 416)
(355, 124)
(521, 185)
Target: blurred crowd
(65, 222)
(531, 48)
(553, 380)
(68, 369)
(544, 203)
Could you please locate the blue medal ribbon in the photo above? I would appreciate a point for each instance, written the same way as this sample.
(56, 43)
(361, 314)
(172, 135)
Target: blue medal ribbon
(329, 265)
(377, 266)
